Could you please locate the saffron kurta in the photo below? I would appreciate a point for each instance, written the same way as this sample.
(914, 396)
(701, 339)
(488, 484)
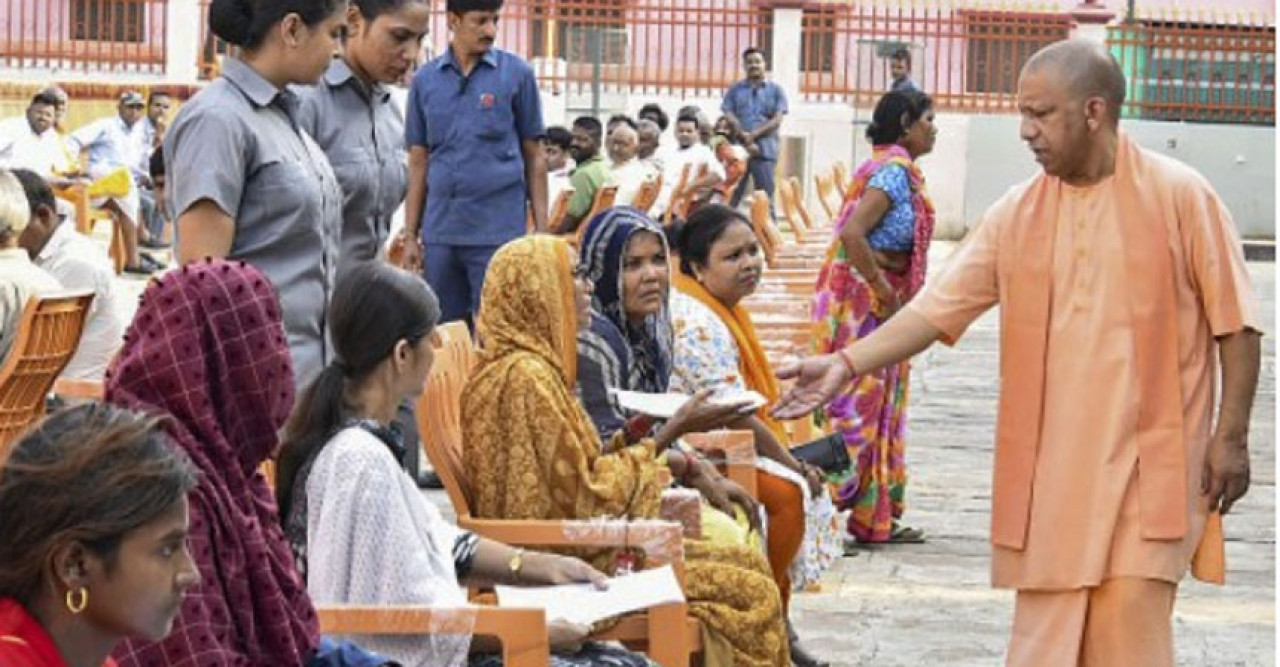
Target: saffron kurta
(1085, 516)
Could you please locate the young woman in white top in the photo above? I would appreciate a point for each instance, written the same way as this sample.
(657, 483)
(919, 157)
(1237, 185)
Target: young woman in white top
(361, 530)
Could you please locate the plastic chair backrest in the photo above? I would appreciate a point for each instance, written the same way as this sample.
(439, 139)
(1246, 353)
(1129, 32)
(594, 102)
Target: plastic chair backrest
(648, 194)
(439, 416)
(789, 210)
(605, 197)
(760, 224)
(840, 176)
(797, 194)
(455, 341)
(48, 334)
(825, 189)
(559, 209)
(677, 192)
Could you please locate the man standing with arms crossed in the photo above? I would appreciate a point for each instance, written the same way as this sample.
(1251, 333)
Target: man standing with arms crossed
(474, 132)
(758, 107)
(1122, 288)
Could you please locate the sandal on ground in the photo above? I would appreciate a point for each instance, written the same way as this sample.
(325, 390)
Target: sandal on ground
(902, 534)
(150, 262)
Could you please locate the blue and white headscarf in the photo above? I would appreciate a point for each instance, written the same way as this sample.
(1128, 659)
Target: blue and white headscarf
(615, 353)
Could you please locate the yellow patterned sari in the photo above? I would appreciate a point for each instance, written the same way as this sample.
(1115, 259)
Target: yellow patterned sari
(533, 453)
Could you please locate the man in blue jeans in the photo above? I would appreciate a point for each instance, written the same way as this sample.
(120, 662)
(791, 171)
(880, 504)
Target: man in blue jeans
(758, 106)
(473, 130)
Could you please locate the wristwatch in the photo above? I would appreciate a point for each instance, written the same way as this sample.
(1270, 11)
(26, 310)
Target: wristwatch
(516, 562)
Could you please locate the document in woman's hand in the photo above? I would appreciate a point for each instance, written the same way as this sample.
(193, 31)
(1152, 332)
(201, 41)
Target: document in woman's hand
(585, 604)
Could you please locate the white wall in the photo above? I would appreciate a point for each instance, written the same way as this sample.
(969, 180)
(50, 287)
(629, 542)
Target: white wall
(1238, 160)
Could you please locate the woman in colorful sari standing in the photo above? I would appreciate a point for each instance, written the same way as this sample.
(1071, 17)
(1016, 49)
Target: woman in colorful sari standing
(875, 264)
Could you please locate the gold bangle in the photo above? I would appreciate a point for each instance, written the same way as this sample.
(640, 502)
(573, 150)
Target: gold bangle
(843, 353)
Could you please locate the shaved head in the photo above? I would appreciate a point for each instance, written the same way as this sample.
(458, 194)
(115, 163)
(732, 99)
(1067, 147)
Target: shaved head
(1084, 68)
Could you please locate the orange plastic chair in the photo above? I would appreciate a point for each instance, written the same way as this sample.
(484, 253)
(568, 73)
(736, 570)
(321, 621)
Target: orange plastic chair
(439, 423)
(87, 217)
(791, 211)
(840, 178)
(797, 194)
(759, 224)
(558, 210)
(826, 191)
(523, 632)
(677, 193)
(648, 193)
(456, 342)
(605, 197)
(736, 448)
(48, 334)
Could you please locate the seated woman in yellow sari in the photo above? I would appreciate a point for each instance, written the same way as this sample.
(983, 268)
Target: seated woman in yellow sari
(533, 453)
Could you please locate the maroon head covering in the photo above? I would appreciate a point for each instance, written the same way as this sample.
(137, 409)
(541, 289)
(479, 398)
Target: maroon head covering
(207, 347)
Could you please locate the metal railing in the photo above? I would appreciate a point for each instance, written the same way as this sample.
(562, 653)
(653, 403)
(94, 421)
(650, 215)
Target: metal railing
(96, 36)
(1198, 66)
(967, 59)
(1209, 65)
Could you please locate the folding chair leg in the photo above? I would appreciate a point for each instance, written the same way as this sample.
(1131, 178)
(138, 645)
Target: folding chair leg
(668, 635)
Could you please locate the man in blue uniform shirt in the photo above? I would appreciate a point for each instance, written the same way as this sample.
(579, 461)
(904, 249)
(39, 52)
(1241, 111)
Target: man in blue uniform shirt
(758, 105)
(475, 157)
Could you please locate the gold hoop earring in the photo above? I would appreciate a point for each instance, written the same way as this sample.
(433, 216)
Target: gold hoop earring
(77, 600)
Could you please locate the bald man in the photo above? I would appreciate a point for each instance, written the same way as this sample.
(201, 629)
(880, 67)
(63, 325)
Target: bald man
(626, 170)
(1122, 287)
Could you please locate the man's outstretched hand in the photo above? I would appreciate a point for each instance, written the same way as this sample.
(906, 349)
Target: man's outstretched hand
(818, 380)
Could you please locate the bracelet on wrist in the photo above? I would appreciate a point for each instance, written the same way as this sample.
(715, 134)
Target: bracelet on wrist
(845, 357)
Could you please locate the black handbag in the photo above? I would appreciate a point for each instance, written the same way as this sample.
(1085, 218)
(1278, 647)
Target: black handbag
(827, 453)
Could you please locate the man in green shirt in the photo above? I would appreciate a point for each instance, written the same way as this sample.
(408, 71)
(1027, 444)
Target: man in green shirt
(591, 172)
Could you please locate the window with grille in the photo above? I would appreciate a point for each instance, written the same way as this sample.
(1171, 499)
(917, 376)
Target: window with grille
(108, 20)
(1198, 72)
(579, 32)
(998, 44)
(817, 39)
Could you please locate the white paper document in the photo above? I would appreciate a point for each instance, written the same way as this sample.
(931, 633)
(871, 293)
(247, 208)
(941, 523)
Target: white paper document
(584, 604)
(665, 406)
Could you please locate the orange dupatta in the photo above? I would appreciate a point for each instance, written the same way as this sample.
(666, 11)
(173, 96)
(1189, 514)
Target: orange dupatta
(1162, 481)
(752, 362)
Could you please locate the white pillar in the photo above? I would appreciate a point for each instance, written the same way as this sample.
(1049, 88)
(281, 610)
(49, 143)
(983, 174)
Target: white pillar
(182, 41)
(1091, 20)
(785, 59)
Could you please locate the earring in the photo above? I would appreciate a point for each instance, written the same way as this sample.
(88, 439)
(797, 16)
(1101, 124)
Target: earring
(77, 600)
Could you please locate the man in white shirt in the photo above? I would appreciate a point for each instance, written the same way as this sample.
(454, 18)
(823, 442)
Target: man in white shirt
(153, 126)
(555, 151)
(691, 152)
(625, 170)
(32, 142)
(109, 144)
(650, 149)
(80, 264)
(19, 278)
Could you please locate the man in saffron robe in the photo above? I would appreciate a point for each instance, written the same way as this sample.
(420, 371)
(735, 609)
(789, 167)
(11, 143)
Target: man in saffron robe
(1122, 287)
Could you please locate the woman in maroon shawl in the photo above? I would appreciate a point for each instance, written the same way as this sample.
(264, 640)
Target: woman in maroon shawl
(207, 347)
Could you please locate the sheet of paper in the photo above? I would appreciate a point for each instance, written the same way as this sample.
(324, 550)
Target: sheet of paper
(582, 603)
(665, 406)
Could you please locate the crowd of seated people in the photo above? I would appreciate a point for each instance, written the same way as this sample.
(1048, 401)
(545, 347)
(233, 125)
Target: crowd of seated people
(181, 550)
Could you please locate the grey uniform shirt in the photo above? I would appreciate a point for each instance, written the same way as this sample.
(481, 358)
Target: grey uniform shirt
(362, 132)
(237, 143)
